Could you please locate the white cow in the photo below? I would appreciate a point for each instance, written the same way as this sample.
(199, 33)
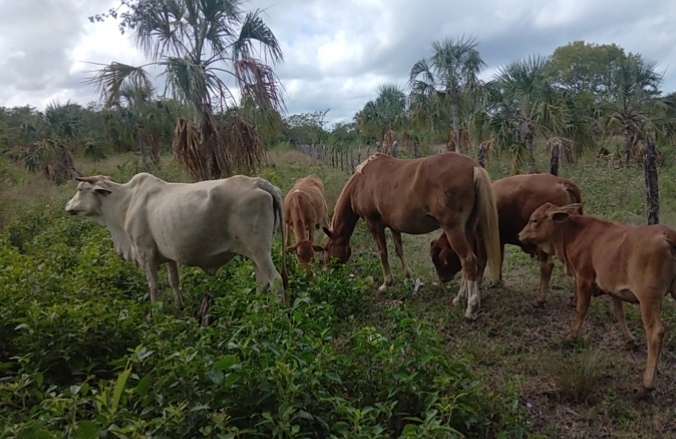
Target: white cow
(200, 224)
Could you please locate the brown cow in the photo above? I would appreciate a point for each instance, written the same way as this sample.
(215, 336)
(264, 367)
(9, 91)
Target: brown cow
(305, 211)
(516, 197)
(629, 263)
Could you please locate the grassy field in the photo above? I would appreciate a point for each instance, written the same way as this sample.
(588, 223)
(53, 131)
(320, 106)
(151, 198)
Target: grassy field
(580, 389)
(518, 353)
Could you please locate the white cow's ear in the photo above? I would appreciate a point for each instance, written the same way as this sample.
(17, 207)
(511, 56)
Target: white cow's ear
(101, 190)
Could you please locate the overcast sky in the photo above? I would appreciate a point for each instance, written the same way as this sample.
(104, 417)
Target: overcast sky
(336, 52)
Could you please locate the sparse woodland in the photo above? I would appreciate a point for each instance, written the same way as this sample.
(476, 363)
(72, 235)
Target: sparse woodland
(82, 356)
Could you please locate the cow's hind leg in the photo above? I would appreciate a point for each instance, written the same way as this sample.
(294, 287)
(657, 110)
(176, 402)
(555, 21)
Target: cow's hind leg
(268, 276)
(650, 314)
(399, 249)
(378, 232)
(470, 273)
(173, 274)
(150, 270)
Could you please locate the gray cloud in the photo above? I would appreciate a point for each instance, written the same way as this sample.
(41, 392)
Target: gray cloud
(336, 53)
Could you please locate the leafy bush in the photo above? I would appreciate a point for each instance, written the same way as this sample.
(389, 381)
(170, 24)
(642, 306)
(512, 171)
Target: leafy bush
(84, 354)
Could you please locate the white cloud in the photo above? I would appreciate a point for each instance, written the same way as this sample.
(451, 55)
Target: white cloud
(336, 53)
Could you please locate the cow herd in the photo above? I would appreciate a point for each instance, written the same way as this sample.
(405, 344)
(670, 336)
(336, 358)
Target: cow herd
(205, 224)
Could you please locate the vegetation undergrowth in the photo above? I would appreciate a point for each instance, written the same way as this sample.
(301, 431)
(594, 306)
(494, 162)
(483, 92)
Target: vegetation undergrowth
(84, 354)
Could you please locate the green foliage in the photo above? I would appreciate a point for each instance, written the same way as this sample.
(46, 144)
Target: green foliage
(83, 353)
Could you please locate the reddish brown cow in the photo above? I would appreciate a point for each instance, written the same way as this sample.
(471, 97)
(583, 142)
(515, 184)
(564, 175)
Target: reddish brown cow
(629, 263)
(305, 211)
(516, 197)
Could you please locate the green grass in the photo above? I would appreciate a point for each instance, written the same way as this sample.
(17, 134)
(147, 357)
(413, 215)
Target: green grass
(518, 353)
(579, 389)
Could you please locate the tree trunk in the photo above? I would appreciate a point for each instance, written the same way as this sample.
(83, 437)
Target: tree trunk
(554, 161)
(531, 158)
(652, 194)
(142, 149)
(481, 155)
(627, 147)
(456, 127)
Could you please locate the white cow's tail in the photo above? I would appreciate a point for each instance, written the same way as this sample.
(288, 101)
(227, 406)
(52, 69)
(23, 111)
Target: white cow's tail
(278, 208)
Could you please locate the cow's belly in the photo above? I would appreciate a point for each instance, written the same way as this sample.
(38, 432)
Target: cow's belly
(621, 291)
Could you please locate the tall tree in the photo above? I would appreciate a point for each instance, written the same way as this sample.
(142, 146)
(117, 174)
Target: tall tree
(528, 101)
(451, 73)
(629, 106)
(198, 43)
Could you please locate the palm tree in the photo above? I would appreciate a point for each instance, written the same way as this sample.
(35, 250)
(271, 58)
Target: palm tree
(198, 43)
(449, 76)
(629, 106)
(528, 102)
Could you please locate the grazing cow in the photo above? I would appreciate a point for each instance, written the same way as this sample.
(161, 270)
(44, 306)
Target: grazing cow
(449, 191)
(629, 263)
(200, 224)
(305, 211)
(516, 197)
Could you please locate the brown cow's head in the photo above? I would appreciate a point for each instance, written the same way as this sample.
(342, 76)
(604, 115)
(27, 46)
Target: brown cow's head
(335, 248)
(542, 224)
(305, 252)
(445, 260)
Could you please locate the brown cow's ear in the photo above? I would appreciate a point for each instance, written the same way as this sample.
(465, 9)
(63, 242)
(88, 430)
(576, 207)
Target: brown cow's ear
(560, 216)
(327, 232)
(573, 208)
(292, 248)
(317, 248)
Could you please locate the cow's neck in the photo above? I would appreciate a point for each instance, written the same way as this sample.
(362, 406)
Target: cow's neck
(344, 217)
(568, 234)
(114, 211)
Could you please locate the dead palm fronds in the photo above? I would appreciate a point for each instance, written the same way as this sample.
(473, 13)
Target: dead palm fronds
(388, 140)
(187, 147)
(217, 149)
(241, 147)
(485, 149)
(409, 144)
(566, 147)
(464, 140)
(638, 152)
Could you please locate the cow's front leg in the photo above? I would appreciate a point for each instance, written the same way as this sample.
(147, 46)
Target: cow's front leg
(150, 270)
(378, 232)
(173, 273)
(583, 294)
(399, 249)
(546, 268)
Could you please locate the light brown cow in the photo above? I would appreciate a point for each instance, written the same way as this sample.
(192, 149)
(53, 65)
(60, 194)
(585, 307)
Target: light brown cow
(516, 197)
(305, 211)
(629, 263)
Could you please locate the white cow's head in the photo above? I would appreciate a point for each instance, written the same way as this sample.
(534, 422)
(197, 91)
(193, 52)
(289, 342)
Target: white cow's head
(87, 200)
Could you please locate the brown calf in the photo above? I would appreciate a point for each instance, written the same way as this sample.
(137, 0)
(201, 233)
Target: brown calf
(305, 211)
(632, 264)
(516, 198)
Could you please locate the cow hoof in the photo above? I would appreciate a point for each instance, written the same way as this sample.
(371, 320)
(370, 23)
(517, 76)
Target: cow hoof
(455, 301)
(471, 316)
(631, 344)
(383, 287)
(641, 393)
(498, 284)
(539, 303)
